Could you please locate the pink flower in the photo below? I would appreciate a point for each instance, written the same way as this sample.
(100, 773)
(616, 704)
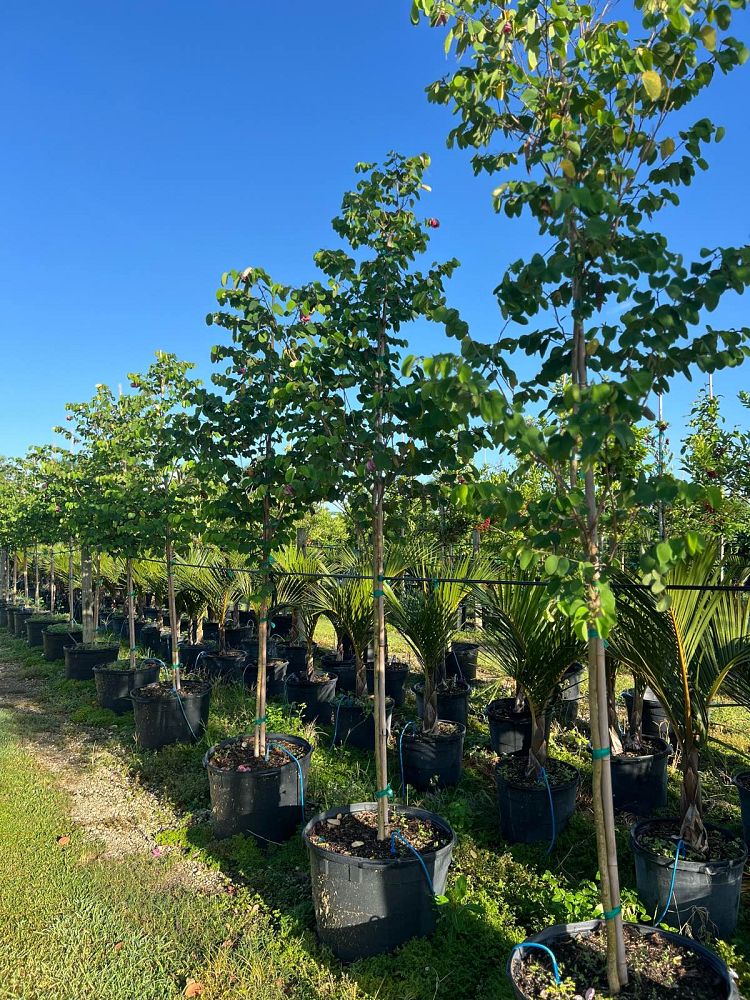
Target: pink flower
(433, 223)
(289, 490)
(507, 28)
(305, 318)
(156, 852)
(371, 467)
(243, 768)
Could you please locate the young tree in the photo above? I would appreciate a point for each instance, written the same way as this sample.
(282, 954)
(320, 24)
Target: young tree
(240, 431)
(362, 416)
(585, 107)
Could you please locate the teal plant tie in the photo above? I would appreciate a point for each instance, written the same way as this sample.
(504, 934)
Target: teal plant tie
(601, 753)
(593, 634)
(260, 721)
(435, 583)
(133, 649)
(378, 593)
(612, 914)
(386, 792)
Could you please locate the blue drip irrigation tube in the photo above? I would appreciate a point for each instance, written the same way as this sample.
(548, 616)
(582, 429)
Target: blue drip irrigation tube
(401, 759)
(551, 811)
(395, 835)
(546, 950)
(680, 845)
(336, 722)
(300, 774)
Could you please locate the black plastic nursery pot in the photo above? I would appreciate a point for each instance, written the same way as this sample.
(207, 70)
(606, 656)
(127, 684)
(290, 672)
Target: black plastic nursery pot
(655, 721)
(526, 812)
(3, 614)
(10, 619)
(354, 723)
(210, 631)
(194, 654)
(252, 648)
(316, 697)
(742, 781)
(117, 625)
(461, 661)
(719, 982)
(20, 617)
(223, 666)
(54, 643)
(510, 731)
(276, 671)
(114, 685)
(234, 637)
(163, 716)
(452, 703)
(365, 907)
(282, 625)
(151, 637)
(262, 802)
(295, 654)
(570, 693)
(35, 626)
(344, 670)
(81, 660)
(396, 673)
(706, 894)
(639, 782)
(434, 759)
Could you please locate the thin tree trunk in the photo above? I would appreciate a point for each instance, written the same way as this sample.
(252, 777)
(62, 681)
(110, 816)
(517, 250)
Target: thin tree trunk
(87, 596)
(173, 623)
(25, 575)
(379, 636)
(36, 576)
(98, 591)
(15, 574)
(52, 582)
(71, 587)
(692, 830)
(381, 726)
(131, 612)
(604, 819)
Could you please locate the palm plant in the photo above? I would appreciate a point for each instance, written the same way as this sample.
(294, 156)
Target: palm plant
(424, 610)
(189, 593)
(534, 645)
(687, 653)
(215, 577)
(150, 577)
(297, 587)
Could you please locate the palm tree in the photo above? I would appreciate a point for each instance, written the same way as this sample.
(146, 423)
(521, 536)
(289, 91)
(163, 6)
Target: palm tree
(424, 610)
(298, 587)
(687, 653)
(214, 575)
(534, 645)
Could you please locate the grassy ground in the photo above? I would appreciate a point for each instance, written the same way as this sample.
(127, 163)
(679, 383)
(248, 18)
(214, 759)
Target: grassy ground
(142, 902)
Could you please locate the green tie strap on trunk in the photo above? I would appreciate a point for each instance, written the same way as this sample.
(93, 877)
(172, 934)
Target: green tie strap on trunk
(601, 753)
(383, 793)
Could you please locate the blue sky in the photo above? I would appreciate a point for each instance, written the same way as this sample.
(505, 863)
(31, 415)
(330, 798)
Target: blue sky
(150, 145)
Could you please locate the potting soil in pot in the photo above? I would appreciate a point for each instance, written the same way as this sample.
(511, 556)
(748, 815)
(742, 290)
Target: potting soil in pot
(240, 756)
(356, 835)
(659, 970)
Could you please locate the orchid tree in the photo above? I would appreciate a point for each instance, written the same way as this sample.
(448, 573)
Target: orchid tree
(362, 415)
(239, 433)
(583, 119)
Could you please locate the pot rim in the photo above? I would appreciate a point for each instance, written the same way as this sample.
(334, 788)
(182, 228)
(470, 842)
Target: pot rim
(300, 740)
(103, 668)
(373, 863)
(169, 695)
(726, 864)
(538, 789)
(417, 735)
(581, 927)
(418, 688)
(634, 758)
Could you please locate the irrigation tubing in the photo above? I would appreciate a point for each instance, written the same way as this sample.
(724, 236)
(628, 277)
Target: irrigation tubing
(408, 578)
(665, 911)
(396, 835)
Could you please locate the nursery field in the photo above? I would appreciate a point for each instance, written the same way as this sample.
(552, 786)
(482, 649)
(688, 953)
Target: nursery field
(113, 887)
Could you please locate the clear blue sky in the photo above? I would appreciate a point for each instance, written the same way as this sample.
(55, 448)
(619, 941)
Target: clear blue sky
(149, 145)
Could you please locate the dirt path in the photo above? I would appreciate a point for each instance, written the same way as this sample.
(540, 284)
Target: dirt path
(117, 813)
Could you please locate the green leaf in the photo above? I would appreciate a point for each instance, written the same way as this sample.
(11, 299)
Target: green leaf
(652, 84)
(708, 35)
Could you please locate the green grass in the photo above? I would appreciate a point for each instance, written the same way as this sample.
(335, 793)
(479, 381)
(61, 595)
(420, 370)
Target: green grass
(75, 926)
